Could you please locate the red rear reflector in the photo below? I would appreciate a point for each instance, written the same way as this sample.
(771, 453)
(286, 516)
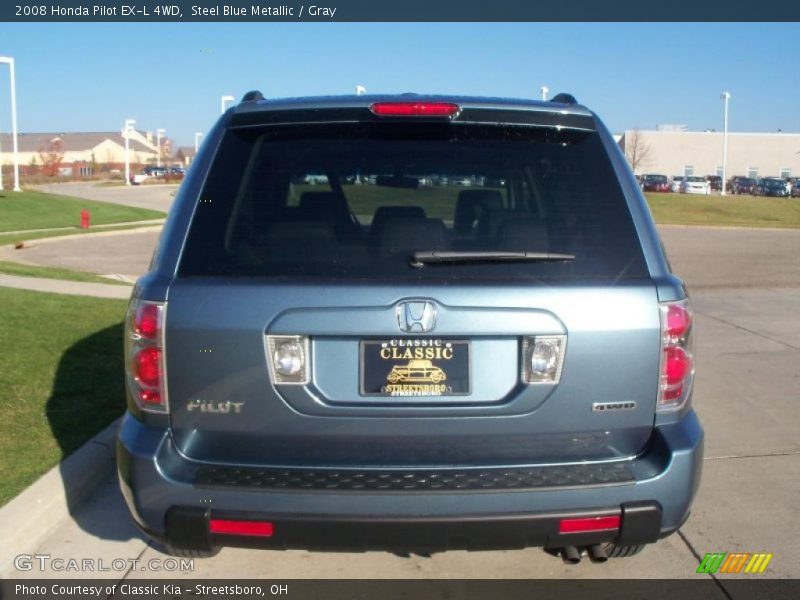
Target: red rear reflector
(251, 528)
(414, 109)
(588, 524)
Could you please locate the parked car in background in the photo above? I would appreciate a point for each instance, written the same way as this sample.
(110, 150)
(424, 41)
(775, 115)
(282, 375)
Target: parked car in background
(675, 187)
(696, 185)
(655, 183)
(795, 187)
(742, 185)
(151, 171)
(177, 171)
(772, 186)
(715, 181)
(730, 185)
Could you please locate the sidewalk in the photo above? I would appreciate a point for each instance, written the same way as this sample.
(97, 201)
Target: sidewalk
(72, 288)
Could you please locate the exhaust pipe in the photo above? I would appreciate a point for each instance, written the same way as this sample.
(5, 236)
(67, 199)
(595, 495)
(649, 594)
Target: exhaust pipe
(570, 555)
(597, 553)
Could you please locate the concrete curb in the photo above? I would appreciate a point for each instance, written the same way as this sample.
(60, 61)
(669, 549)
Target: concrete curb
(93, 234)
(94, 227)
(27, 520)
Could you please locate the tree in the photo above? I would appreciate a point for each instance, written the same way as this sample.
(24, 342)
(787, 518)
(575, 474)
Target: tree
(637, 151)
(51, 156)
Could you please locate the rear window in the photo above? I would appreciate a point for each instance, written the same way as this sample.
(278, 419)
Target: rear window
(356, 201)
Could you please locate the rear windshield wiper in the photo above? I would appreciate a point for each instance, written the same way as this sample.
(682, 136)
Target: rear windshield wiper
(434, 257)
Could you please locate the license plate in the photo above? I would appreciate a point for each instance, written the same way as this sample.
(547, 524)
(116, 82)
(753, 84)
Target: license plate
(415, 367)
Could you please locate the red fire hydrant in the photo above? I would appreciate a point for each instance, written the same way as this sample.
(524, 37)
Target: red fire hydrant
(85, 216)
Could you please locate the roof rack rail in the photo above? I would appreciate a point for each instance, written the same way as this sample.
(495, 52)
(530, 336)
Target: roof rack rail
(563, 98)
(252, 96)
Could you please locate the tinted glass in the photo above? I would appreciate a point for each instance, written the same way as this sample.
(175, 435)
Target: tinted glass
(355, 201)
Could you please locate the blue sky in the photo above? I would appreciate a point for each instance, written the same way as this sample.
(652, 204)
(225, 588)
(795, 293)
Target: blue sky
(91, 77)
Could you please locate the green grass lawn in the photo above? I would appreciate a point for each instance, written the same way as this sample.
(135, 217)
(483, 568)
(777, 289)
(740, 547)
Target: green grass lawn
(742, 211)
(37, 210)
(61, 379)
(13, 268)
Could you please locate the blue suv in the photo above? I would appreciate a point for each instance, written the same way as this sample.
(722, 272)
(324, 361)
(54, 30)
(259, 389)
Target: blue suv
(409, 323)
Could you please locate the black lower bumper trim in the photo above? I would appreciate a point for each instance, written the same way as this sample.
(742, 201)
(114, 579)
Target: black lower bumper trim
(421, 480)
(188, 528)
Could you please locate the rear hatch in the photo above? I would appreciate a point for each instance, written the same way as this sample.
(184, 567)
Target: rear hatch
(411, 292)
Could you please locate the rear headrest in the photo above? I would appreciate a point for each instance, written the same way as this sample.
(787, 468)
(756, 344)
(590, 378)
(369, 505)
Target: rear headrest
(389, 213)
(324, 205)
(471, 204)
(406, 235)
(288, 241)
(490, 220)
(520, 235)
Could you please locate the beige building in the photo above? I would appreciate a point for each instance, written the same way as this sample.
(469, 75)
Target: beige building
(185, 155)
(105, 147)
(673, 153)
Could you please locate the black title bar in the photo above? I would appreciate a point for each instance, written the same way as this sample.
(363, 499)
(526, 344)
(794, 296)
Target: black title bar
(406, 10)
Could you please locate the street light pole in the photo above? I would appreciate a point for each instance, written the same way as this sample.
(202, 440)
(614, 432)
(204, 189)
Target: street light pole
(10, 62)
(222, 102)
(129, 123)
(544, 89)
(725, 97)
(197, 137)
(159, 133)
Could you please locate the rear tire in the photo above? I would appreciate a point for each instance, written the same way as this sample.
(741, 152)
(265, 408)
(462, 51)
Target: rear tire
(612, 550)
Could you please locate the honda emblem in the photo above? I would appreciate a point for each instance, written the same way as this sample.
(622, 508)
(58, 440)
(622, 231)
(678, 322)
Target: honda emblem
(416, 316)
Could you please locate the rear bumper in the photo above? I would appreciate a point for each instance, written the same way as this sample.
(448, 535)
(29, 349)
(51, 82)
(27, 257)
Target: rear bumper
(159, 486)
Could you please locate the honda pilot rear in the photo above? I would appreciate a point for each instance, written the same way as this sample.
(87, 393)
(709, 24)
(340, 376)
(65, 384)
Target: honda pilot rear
(409, 323)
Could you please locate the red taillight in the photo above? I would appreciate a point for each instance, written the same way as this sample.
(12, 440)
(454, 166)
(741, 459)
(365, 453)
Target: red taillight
(145, 320)
(150, 397)
(677, 365)
(249, 528)
(589, 524)
(144, 355)
(678, 321)
(146, 366)
(677, 362)
(414, 109)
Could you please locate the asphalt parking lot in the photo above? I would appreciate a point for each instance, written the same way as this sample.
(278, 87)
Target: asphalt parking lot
(745, 285)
